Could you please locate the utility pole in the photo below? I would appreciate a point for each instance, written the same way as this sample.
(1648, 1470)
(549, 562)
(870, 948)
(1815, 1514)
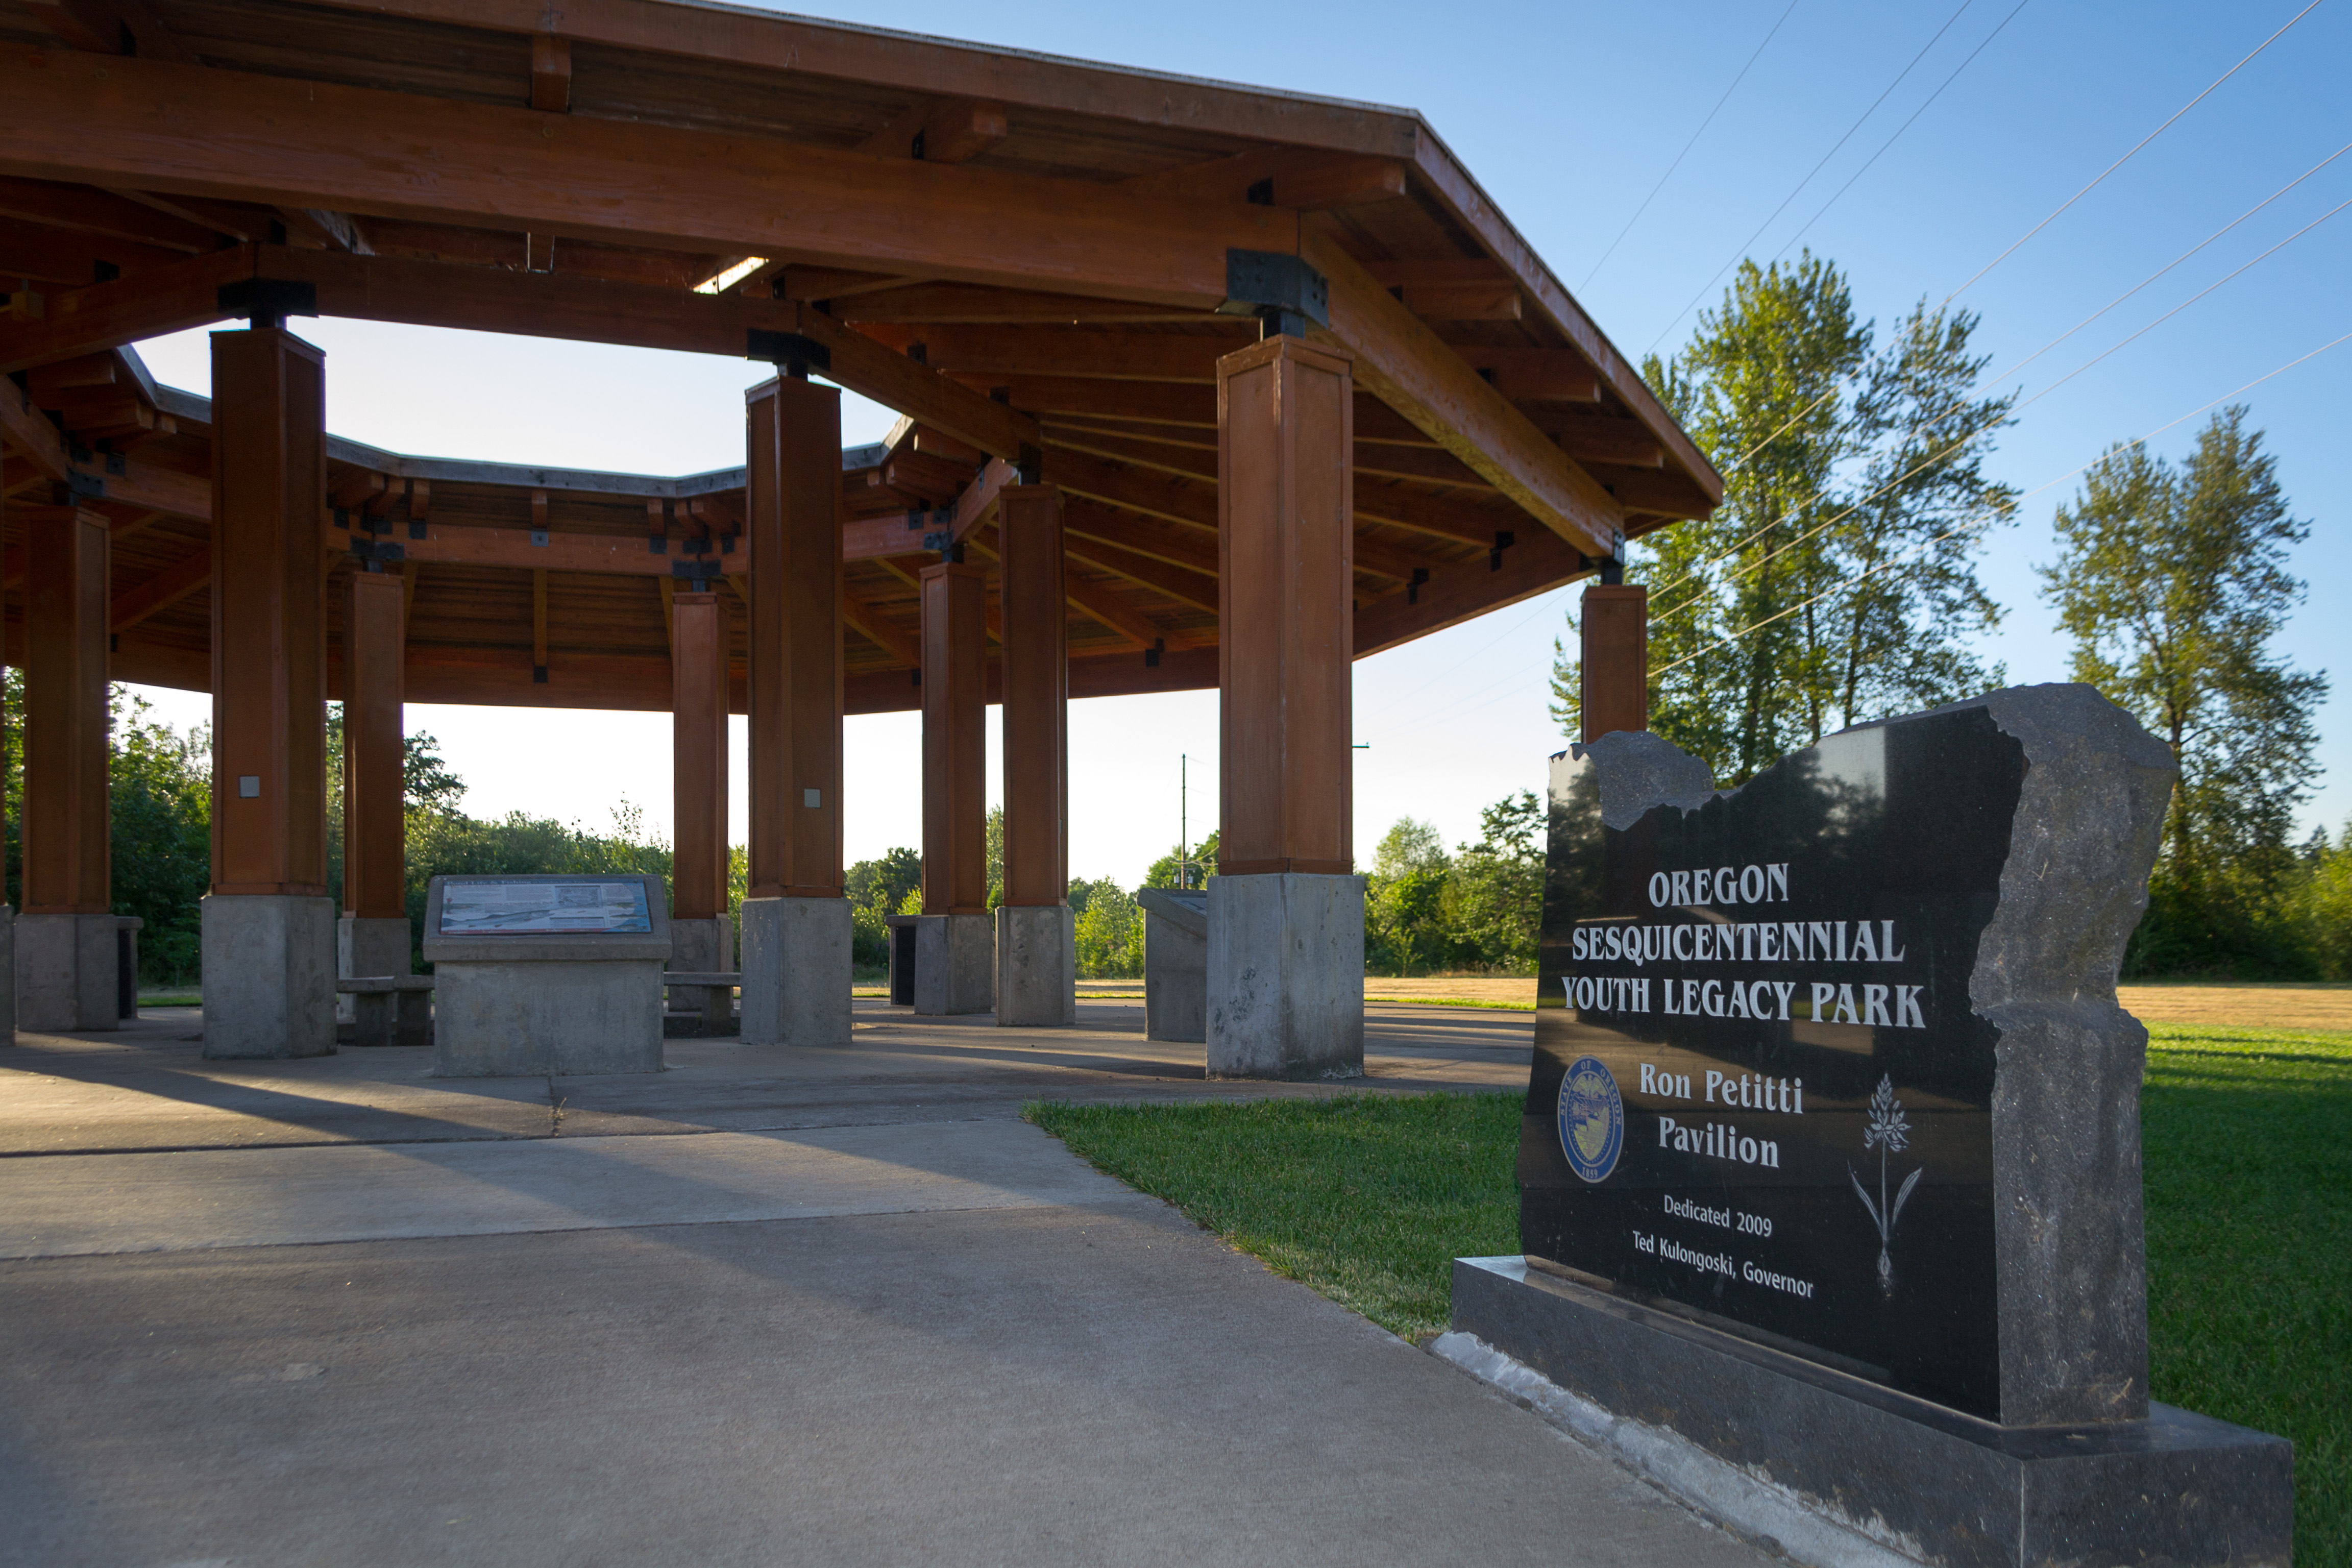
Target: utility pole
(1183, 824)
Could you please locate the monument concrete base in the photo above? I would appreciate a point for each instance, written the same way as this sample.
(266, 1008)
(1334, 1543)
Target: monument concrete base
(1175, 963)
(955, 964)
(1837, 1469)
(66, 968)
(554, 1011)
(1285, 985)
(1036, 966)
(8, 975)
(796, 971)
(269, 975)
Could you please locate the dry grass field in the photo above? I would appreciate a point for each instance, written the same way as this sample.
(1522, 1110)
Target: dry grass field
(2250, 1006)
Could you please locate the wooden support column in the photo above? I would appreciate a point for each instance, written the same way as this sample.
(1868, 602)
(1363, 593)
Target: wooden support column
(1615, 659)
(794, 685)
(268, 927)
(955, 744)
(1036, 688)
(796, 921)
(698, 753)
(1286, 417)
(374, 819)
(1285, 940)
(64, 813)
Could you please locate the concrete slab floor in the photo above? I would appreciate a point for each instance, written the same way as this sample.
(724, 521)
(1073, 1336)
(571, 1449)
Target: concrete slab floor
(365, 1317)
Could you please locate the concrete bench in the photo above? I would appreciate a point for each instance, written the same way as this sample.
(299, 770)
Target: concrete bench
(388, 1009)
(706, 996)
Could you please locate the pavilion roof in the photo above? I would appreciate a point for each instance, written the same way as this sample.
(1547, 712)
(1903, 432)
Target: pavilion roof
(1038, 261)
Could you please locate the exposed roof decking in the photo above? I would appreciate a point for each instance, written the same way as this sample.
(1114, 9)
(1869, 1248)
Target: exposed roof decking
(1499, 433)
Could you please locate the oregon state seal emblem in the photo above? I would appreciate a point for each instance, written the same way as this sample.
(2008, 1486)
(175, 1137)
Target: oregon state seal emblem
(1592, 1119)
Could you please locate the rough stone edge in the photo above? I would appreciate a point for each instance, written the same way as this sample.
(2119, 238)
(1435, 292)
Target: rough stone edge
(1736, 1500)
(1639, 772)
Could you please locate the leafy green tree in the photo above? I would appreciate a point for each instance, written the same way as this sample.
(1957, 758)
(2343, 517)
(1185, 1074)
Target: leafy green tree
(1197, 866)
(2173, 582)
(1493, 903)
(1836, 582)
(1109, 932)
(877, 889)
(2323, 903)
(159, 824)
(1406, 927)
(995, 832)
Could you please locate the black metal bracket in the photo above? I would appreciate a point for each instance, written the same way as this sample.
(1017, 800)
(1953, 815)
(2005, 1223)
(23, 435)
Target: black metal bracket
(699, 573)
(539, 675)
(1151, 655)
(1032, 465)
(85, 486)
(376, 551)
(1611, 567)
(267, 302)
(1280, 290)
(791, 353)
(1504, 539)
(1413, 588)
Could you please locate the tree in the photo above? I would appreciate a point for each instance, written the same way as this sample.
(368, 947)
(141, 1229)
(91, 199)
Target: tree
(2172, 582)
(1198, 863)
(1836, 582)
(1404, 915)
(160, 828)
(1493, 904)
(1109, 932)
(877, 889)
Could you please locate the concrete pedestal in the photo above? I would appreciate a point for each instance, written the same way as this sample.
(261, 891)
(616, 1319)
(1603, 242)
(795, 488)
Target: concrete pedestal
(66, 969)
(1285, 984)
(1036, 966)
(704, 947)
(1175, 963)
(955, 964)
(269, 975)
(796, 971)
(8, 975)
(1835, 1470)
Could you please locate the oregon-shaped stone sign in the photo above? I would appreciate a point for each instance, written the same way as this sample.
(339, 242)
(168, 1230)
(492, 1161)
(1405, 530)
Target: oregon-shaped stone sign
(1833, 1060)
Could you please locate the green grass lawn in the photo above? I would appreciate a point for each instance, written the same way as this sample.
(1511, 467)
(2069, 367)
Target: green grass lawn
(1369, 1199)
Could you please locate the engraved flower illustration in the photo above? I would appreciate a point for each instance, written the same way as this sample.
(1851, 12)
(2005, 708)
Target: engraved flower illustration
(1886, 1132)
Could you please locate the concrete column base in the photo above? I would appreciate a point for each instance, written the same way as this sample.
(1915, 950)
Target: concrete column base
(8, 975)
(68, 969)
(955, 964)
(269, 975)
(1286, 976)
(796, 971)
(1036, 965)
(704, 947)
(366, 946)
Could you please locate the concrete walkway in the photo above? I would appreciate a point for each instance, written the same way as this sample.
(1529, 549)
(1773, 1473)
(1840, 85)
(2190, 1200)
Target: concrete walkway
(767, 1307)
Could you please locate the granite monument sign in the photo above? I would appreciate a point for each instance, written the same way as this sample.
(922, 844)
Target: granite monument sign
(1830, 1159)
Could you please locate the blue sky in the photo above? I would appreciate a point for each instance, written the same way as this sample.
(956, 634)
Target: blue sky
(1568, 114)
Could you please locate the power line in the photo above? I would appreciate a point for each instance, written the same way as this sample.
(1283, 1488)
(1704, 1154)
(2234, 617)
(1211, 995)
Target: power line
(1731, 637)
(1816, 169)
(1906, 125)
(2127, 157)
(1686, 151)
(2009, 410)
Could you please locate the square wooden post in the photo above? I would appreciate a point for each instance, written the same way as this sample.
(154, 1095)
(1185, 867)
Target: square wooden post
(1286, 910)
(66, 966)
(268, 925)
(373, 937)
(796, 921)
(1036, 934)
(954, 946)
(1615, 661)
(702, 938)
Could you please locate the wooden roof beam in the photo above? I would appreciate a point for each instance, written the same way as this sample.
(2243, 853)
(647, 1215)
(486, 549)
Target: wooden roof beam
(938, 131)
(108, 27)
(870, 624)
(1187, 588)
(369, 151)
(192, 574)
(550, 73)
(1537, 563)
(1405, 365)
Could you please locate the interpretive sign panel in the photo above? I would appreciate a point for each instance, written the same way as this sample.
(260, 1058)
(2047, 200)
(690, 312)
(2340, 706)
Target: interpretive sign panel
(1759, 1090)
(543, 906)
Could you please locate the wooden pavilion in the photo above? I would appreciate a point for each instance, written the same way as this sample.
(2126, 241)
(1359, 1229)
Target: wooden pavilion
(1201, 385)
